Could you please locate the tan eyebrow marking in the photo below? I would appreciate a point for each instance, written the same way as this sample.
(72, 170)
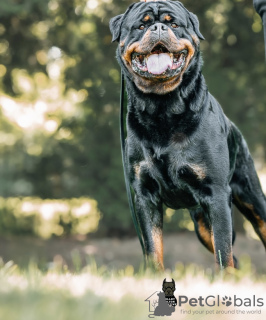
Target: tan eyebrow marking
(146, 18)
(167, 18)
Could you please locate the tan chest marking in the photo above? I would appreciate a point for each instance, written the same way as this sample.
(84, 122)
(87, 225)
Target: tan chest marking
(199, 171)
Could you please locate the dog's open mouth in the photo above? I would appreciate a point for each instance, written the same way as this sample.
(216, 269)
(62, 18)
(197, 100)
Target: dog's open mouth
(160, 62)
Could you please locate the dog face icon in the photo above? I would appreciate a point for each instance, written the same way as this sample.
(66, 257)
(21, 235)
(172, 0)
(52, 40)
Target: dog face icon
(169, 287)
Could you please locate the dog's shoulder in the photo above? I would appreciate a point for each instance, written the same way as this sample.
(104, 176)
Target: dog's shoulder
(216, 109)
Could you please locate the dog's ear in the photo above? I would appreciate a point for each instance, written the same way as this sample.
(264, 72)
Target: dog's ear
(173, 283)
(195, 22)
(115, 26)
(116, 23)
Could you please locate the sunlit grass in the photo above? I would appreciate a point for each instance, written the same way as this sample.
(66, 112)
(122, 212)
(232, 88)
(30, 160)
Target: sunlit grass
(99, 293)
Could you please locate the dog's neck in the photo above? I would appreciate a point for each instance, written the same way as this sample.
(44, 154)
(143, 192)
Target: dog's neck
(188, 96)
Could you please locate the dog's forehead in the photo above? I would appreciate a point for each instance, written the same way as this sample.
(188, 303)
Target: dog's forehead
(168, 284)
(156, 9)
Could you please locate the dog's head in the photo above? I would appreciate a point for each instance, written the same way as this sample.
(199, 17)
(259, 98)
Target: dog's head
(169, 287)
(157, 42)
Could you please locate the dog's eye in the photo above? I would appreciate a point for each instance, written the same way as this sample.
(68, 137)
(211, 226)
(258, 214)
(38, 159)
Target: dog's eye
(174, 25)
(141, 27)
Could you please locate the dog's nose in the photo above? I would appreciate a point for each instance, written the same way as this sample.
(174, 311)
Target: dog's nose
(159, 27)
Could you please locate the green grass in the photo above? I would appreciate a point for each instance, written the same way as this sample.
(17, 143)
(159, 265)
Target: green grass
(98, 293)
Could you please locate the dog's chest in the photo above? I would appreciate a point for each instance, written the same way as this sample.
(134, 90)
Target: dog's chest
(160, 129)
(166, 157)
(175, 174)
(172, 161)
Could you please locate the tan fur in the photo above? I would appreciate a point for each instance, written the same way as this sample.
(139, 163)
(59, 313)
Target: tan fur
(167, 18)
(122, 43)
(146, 18)
(157, 237)
(135, 47)
(137, 167)
(198, 170)
(195, 39)
(137, 170)
(261, 223)
(230, 260)
(206, 235)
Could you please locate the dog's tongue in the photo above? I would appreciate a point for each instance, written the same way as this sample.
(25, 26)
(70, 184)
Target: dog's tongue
(158, 63)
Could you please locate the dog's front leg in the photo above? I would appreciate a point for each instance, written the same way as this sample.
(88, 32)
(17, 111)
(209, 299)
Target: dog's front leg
(150, 217)
(219, 212)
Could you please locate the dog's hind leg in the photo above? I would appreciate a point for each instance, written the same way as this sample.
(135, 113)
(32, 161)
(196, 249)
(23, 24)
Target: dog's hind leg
(247, 193)
(204, 231)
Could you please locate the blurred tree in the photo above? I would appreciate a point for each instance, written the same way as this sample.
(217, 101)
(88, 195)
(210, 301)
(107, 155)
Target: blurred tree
(59, 85)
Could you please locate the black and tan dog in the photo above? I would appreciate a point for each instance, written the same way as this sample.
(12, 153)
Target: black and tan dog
(182, 151)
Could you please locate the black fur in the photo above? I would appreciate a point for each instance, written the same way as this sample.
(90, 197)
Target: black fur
(182, 150)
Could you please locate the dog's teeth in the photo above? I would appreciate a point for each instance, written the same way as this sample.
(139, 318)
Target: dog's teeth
(172, 56)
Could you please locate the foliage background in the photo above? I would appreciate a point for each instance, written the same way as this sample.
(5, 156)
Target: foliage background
(59, 94)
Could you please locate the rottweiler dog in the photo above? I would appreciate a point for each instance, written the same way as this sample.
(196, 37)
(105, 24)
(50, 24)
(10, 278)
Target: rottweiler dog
(181, 149)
